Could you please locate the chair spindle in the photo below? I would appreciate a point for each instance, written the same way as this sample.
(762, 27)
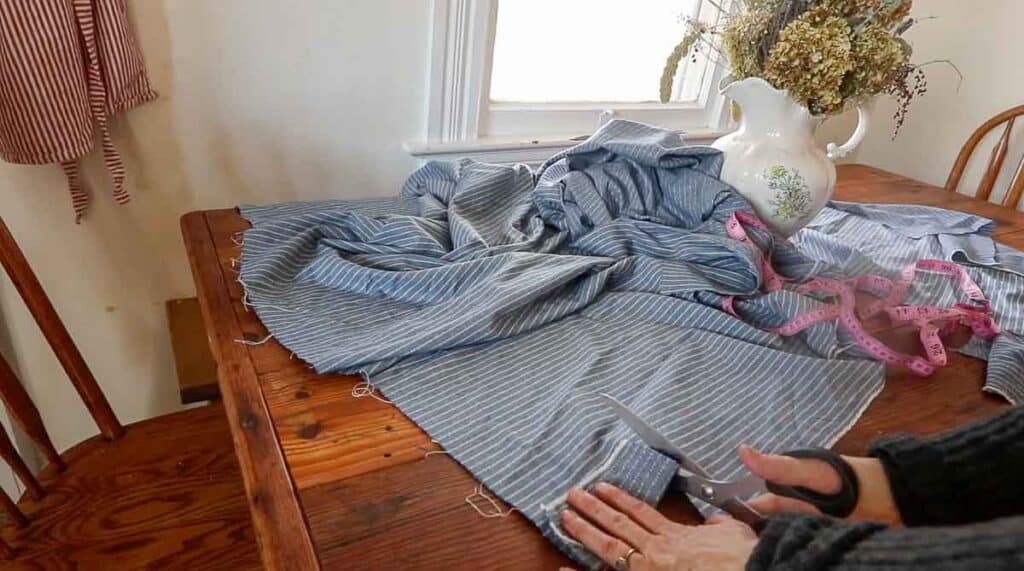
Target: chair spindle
(995, 161)
(25, 413)
(1016, 186)
(10, 508)
(27, 284)
(14, 460)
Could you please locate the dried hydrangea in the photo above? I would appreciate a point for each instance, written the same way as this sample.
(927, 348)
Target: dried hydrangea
(742, 38)
(894, 14)
(826, 53)
(877, 59)
(810, 60)
(886, 13)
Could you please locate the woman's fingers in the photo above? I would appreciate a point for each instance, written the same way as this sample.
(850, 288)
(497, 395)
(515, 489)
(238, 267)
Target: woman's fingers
(717, 519)
(812, 474)
(639, 510)
(610, 519)
(608, 548)
(772, 504)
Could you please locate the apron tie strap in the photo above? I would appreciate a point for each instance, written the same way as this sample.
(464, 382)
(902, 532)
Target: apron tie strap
(98, 106)
(79, 197)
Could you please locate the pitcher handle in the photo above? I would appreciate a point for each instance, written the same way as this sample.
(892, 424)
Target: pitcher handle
(836, 152)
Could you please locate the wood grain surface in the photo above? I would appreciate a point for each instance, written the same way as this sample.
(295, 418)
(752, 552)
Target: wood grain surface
(195, 365)
(166, 495)
(281, 529)
(353, 475)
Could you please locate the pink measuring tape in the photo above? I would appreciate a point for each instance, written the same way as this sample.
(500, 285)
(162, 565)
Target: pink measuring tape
(891, 294)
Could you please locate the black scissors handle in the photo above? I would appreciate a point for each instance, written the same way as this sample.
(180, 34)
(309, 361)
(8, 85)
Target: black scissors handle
(840, 504)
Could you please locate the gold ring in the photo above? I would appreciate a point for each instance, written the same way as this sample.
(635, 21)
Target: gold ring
(622, 563)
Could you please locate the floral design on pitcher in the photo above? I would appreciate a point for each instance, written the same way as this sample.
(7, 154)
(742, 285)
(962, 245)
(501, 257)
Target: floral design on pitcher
(791, 198)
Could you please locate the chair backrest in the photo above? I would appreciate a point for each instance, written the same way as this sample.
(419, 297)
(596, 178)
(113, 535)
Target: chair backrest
(995, 161)
(13, 394)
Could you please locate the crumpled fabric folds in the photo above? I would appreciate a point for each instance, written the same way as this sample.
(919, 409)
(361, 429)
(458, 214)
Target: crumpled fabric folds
(493, 303)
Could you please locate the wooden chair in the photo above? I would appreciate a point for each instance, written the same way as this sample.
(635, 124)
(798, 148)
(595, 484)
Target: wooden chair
(995, 161)
(162, 493)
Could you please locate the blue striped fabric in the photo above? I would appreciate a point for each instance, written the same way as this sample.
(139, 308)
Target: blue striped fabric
(882, 239)
(491, 304)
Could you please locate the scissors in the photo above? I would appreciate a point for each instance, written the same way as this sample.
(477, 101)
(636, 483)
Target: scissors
(730, 496)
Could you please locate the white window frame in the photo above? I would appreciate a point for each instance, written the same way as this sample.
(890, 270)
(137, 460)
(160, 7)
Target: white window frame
(461, 121)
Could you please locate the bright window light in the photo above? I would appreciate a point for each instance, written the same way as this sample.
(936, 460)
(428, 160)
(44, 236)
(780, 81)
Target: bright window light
(553, 51)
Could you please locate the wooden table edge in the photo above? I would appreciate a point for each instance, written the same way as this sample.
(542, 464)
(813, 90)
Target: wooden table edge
(281, 529)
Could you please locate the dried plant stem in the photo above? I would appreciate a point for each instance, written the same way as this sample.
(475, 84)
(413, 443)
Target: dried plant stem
(947, 62)
(868, 20)
(717, 6)
(717, 50)
(825, 53)
(668, 74)
(789, 11)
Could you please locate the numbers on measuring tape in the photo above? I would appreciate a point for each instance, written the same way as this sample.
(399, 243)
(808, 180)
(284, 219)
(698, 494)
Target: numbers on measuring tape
(975, 315)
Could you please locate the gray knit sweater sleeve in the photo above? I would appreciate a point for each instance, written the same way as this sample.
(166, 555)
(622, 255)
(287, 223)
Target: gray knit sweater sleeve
(805, 543)
(972, 476)
(974, 473)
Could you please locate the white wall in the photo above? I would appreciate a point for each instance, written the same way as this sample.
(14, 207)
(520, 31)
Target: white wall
(262, 101)
(983, 38)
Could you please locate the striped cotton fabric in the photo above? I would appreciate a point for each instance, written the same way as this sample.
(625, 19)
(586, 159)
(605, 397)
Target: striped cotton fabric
(882, 239)
(66, 66)
(493, 304)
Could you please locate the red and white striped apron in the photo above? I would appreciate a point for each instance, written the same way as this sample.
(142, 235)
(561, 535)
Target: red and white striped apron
(66, 66)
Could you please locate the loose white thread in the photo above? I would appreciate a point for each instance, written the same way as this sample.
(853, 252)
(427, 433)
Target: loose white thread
(247, 304)
(268, 305)
(428, 452)
(235, 238)
(252, 343)
(478, 492)
(245, 293)
(365, 389)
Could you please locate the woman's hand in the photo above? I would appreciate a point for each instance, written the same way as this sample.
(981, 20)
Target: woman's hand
(610, 522)
(875, 502)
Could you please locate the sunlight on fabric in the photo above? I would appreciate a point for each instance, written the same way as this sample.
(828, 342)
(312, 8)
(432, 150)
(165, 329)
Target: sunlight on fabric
(584, 50)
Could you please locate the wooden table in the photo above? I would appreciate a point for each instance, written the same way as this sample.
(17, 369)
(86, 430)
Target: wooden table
(338, 482)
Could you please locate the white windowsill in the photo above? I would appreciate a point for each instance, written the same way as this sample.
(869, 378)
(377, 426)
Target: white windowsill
(505, 151)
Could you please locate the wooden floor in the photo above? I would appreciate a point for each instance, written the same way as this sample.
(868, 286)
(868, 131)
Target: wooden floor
(131, 505)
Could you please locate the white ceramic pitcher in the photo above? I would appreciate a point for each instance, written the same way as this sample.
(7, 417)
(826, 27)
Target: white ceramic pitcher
(772, 159)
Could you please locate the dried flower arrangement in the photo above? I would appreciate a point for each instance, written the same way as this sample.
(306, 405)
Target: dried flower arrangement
(828, 54)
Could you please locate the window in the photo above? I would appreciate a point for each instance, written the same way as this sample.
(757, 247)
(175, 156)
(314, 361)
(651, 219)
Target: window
(517, 80)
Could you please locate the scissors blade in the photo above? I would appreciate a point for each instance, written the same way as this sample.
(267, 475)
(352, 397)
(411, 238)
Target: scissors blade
(719, 493)
(743, 488)
(652, 437)
(728, 496)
